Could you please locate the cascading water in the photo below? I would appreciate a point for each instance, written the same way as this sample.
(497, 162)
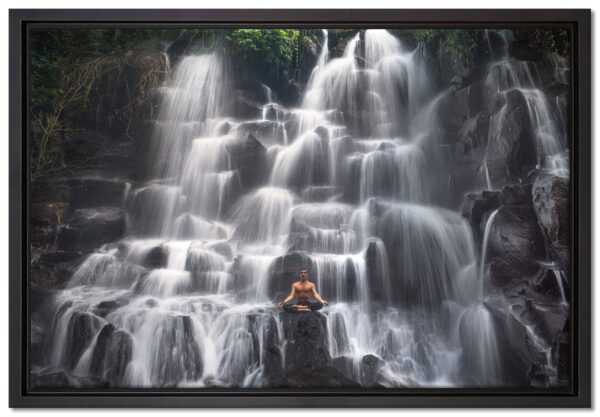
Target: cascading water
(184, 300)
(545, 116)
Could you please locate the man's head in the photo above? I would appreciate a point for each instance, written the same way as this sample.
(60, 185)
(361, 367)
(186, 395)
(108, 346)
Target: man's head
(303, 275)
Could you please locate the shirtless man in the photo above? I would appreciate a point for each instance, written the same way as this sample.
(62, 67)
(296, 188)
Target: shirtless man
(303, 297)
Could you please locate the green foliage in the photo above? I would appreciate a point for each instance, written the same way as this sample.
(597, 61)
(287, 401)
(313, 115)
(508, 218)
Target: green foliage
(65, 66)
(458, 43)
(555, 40)
(271, 46)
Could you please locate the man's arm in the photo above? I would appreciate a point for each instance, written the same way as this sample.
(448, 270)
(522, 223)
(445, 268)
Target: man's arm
(317, 296)
(289, 297)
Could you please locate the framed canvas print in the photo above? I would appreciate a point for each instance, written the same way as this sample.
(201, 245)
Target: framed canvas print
(300, 208)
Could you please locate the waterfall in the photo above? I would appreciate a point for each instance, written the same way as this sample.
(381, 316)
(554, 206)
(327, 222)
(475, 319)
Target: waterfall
(484, 246)
(508, 74)
(191, 101)
(186, 299)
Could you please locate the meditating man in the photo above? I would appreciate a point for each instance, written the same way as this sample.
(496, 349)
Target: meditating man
(304, 296)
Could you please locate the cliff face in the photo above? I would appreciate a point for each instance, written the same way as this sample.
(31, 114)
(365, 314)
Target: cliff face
(505, 214)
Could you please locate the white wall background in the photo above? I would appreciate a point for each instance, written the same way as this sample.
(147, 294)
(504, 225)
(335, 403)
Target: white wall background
(266, 4)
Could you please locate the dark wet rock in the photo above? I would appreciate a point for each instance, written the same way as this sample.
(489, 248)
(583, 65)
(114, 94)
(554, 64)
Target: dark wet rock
(326, 377)
(562, 351)
(104, 308)
(48, 213)
(156, 257)
(515, 245)
(512, 152)
(306, 341)
(247, 99)
(45, 219)
(518, 194)
(307, 359)
(345, 365)
(390, 346)
(177, 352)
(340, 341)
(370, 365)
(87, 229)
(41, 302)
(272, 355)
(249, 157)
(551, 204)
(180, 45)
(86, 192)
(80, 332)
(37, 336)
(546, 282)
(525, 330)
(53, 269)
(377, 268)
(477, 205)
(94, 151)
(275, 112)
(151, 302)
(111, 355)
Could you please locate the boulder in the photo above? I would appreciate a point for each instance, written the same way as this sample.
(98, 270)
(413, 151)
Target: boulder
(306, 347)
(249, 157)
(111, 355)
(515, 245)
(512, 148)
(156, 257)
(527, 328)
(81, 330)
(87, 229)
(307, 359)
(104, 308)
(345, 364)
(370, 365)
(551, 204)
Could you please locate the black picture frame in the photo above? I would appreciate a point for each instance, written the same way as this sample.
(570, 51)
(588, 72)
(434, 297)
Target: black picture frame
(579, 22)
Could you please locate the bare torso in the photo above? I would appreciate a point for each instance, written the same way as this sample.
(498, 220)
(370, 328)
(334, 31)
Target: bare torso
(304, 290)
